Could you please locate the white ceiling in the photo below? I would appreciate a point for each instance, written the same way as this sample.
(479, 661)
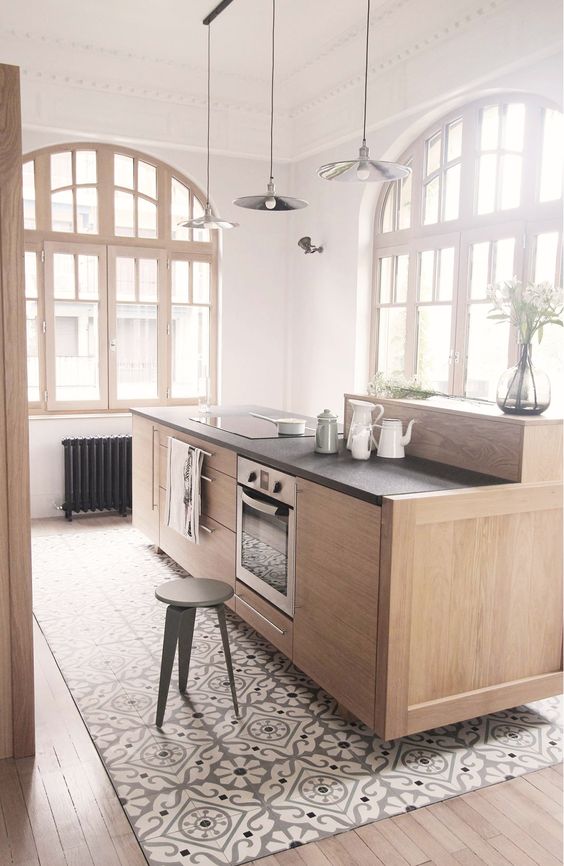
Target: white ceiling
(156, 51)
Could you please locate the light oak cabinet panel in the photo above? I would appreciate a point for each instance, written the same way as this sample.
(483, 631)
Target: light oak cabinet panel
(219, 492)
(213, 556)
(145, 477)
(220, 459)
(337, 572)
(275, 626)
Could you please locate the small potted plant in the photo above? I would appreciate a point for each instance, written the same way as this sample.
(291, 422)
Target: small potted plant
(529, 308)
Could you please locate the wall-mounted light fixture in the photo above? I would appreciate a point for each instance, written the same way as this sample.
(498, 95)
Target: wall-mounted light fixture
(306, 245)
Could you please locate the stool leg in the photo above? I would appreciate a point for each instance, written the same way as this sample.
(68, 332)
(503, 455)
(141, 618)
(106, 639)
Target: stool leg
(170, 639)
(185, 637)
(227, 652)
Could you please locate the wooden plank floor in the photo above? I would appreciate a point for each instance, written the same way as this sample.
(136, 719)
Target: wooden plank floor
(59, 808)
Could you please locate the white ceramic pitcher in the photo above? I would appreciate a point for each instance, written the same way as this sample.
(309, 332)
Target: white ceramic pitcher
(392, 438)
(362, 418)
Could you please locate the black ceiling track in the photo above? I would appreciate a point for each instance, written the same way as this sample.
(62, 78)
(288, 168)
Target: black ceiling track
(217, 11)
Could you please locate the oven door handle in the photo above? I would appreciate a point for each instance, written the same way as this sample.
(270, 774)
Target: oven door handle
(259, 505)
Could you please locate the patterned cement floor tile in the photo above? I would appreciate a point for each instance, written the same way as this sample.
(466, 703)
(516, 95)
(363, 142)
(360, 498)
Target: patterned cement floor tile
(209, 789)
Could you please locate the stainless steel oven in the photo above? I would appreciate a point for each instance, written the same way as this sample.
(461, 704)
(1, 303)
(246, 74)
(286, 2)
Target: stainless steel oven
(266, 530)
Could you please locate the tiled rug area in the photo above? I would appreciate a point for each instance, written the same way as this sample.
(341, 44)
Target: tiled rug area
(209, 789)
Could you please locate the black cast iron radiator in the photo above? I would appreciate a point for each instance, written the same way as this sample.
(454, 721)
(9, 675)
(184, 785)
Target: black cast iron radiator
(97, 474)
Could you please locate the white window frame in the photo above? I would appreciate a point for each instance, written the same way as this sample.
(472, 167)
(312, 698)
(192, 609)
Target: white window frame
(163, 246)
(528, 217)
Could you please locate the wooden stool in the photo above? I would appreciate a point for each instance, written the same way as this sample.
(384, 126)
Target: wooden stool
(183, 597)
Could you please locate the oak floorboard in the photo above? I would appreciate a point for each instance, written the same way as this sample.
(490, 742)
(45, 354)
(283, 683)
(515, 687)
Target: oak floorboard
(525, 811)
(20, 839)
(377, 842)
(428, 843)
(348, 850)
(469, 838)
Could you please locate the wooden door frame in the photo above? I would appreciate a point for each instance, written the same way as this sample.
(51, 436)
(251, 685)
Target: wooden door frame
(17, 723)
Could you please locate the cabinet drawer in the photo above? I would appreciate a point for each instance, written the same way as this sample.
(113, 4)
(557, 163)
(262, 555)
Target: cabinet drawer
(264, 618)
(222, 459)
(219, 492)
(213, 557)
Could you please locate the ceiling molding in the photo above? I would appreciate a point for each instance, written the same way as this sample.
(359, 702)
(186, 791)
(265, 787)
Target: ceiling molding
(126, 88)
(407, 52)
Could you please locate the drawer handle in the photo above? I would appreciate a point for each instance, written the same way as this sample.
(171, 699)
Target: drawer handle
(206, 528)
(261, 615)
(207, 478)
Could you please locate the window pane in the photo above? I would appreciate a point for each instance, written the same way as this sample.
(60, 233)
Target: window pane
(487, 183)
(190, 347)
(446, 274)
(488, 344)
(201, 235)
(405, 203)
(147, 179)
(85, 166)
(510, 181)
(454, 140)
(148, 280)
(452, 193)
(552, 151)
(426, 275)
(88, 277)
(386, 280)
(433, 150)
(125, 278)
(32, 351)
(63, 275)
(433, 346)
(62, 219)
(136, 351)
(76, 351)
(30, 265)
(402, 269)
(489, 138)
(514, 126)
(389, 210)
(201, 285)
(61, 169)
(431, 207)
(87, 210)
(546, 252)
(28, 179)
(479, 270)
(124, 219)
(146, 219)
(180, 281)
(504, 258)
(179, 209)
(123, 171)
(391, 339)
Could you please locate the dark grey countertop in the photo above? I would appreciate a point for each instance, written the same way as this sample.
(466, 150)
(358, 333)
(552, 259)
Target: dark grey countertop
(366, 479)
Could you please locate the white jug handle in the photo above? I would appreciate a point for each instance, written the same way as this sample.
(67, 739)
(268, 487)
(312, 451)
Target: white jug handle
(381, 412)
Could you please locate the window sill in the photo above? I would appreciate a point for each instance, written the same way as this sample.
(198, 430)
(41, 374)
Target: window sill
(59, 415)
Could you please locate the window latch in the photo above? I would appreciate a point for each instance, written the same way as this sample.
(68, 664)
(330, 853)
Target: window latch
(113, 345)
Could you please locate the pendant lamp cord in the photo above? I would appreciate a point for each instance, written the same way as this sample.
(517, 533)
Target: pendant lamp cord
(366, 71)
(272, 88)
(208, 144)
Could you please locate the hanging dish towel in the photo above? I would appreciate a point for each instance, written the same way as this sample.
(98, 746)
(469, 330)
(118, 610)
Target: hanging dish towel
(183, 489)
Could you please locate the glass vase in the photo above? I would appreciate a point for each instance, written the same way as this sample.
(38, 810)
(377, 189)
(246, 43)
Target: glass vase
(523, 389)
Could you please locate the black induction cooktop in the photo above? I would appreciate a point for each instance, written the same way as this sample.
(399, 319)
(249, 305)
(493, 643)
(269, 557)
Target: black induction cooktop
(248, 426)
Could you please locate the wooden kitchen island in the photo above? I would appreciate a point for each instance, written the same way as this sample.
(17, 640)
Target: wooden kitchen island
(417, 608)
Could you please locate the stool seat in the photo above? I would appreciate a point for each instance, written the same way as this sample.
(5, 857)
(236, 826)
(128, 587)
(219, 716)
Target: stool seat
(194, 592)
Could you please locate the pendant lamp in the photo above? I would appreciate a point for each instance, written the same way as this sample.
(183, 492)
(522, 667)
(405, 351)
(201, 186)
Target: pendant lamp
(208, 220)
(363, 168)
(271, 200)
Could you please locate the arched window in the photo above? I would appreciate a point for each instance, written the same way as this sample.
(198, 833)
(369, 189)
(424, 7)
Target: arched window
(121, 303)
(483, 204)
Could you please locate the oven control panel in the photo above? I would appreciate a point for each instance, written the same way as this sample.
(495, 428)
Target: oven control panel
(267, 480)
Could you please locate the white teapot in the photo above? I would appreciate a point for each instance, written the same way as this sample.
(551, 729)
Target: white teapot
(392, 438)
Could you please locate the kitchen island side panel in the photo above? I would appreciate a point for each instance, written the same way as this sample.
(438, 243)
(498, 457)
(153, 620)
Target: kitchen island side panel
(470, 604)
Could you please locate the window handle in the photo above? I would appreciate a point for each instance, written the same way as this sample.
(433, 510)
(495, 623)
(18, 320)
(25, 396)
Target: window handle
(113, 344)
(453, 357)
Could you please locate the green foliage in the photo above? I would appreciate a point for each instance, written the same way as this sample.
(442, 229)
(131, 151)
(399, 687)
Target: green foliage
(529, 307)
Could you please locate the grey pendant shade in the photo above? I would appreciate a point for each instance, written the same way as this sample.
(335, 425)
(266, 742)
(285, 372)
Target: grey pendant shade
(271, 200)
(208, 220)
(364, 169)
